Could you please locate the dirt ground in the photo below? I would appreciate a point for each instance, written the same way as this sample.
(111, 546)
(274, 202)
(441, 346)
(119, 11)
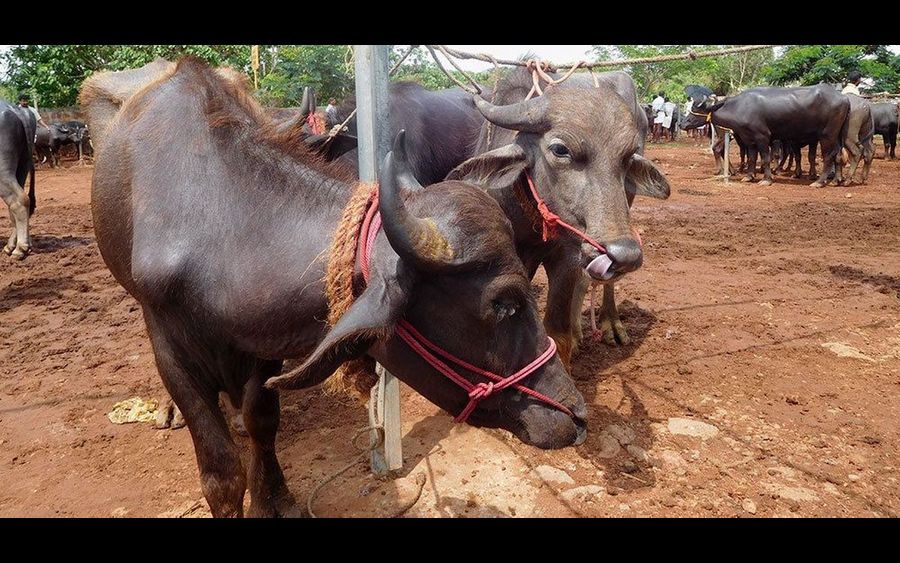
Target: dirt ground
(764, 377)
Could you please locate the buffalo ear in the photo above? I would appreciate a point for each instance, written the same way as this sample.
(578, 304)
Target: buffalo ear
(494, 170)
(643, 178)
(340, 145)
(371, 318)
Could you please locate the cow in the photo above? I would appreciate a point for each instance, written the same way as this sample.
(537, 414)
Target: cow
(17, 130)
(220, 227)
(759, 115)
(441, 126)
(886, 117)
(859, 142)
(579, 148)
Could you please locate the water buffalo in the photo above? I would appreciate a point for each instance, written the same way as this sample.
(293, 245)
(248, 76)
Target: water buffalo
(611, 328)
(49, 142)
(579, 148)
(859, 142)
(17, 130)
(886, 117)
(759, 115)
(441, 127)
(221, 227)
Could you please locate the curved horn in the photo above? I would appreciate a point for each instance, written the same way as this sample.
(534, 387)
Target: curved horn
(304, 103)
(417, 241)
(529, 116)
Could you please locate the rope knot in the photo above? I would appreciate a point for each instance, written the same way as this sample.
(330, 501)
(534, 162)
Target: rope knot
(482, 391)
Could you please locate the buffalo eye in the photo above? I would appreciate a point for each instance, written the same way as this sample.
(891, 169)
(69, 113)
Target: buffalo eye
(560, 150)
(504, 308)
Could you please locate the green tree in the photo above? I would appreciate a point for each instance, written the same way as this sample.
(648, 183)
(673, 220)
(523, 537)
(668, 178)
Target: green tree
(53, 73)
(806, 65)
(727, 74)
(420, 67)
(326, 68)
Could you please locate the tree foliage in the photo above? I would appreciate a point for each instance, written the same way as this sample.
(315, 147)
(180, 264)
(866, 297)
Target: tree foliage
(53, 73)
(806, 65)
(287, 69)
(724, 75)
(420, 67)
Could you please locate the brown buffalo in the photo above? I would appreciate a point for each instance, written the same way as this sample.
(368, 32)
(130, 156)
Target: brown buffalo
(582, 147)
(222, 232)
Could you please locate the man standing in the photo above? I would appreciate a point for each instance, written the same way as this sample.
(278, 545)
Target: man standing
(23, 102)
(853, 80)
(657, 106)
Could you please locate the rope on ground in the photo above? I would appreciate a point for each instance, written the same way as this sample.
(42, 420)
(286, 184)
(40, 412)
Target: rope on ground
(362, 455)
(693, 55)
(420, 478)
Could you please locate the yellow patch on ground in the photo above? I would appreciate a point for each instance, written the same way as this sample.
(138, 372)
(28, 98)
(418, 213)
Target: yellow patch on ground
(133, 410)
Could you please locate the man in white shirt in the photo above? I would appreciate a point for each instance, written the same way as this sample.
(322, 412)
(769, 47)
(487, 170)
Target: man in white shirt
(853, 80)
(669, 112)
(657, 106)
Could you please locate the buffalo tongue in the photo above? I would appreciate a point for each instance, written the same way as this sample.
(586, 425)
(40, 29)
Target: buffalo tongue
(599, 268)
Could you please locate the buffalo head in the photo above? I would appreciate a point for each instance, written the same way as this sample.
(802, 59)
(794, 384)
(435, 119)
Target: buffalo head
(581, 148)
(445, 262)
(701, 107)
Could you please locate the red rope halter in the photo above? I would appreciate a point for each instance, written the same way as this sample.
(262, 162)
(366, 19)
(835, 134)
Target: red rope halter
(429, 351)
(551, 220)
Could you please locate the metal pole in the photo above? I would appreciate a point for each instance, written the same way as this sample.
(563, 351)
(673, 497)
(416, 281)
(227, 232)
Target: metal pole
(726, 170)
(374, 141)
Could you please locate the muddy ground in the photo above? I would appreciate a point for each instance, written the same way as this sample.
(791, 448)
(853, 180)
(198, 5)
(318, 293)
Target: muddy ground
(763, 379)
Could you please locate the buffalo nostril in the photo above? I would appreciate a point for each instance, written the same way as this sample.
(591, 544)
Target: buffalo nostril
(626, 254)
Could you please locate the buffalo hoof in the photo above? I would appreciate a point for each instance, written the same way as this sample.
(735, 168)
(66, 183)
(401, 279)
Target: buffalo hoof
(8, 249)
(817, 185)
(765, 182)
(169, 416)
(21, 252)
(613, 332)
(284, 506)
(746, 179)
(237, 424)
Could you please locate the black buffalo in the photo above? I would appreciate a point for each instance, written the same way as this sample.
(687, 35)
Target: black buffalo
(796, 115)
(221, 228)
(886, 116)
(17, 130)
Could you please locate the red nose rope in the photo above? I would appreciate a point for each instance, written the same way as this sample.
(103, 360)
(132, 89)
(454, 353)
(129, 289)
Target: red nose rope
(551, 220)
(429, 351)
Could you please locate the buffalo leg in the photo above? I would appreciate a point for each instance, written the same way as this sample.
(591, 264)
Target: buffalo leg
(565, 298)
(611, 326)
(766, 154)
(795, 156)
(17, 201)
(813, 147)
(892, 137)
(269, 495)
(222, 476)
(751, 164)
(868, 155)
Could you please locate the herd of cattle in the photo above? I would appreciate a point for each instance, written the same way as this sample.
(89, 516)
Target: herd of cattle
(235, 228)
(776, 123)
